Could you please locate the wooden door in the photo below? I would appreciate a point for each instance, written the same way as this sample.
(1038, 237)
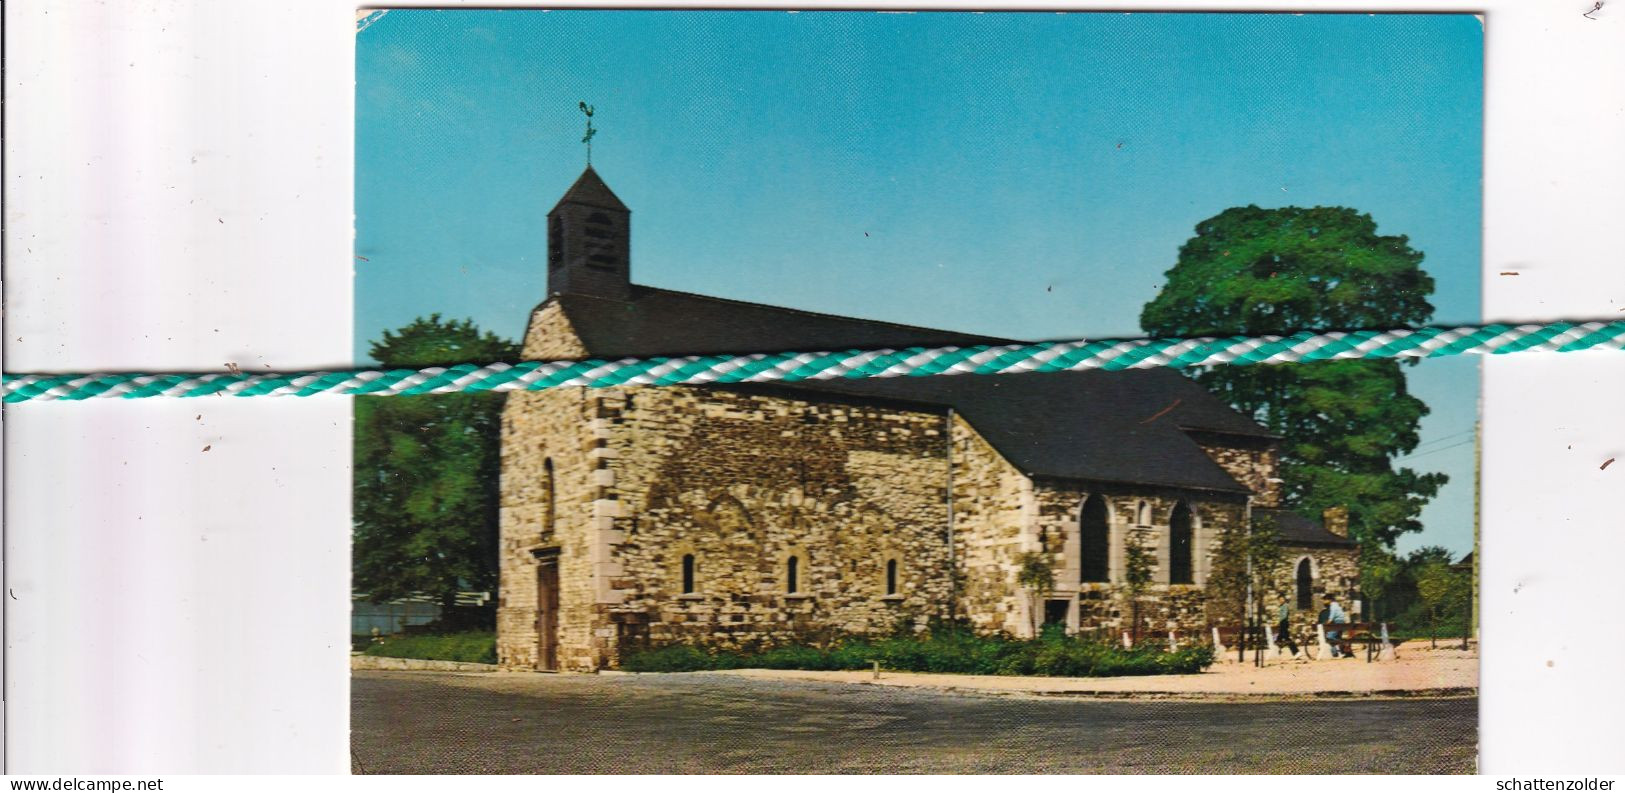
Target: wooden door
(547, 615)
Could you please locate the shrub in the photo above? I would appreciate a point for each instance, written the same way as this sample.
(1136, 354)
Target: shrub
(671, 658)
(471, 647)
(941, 650)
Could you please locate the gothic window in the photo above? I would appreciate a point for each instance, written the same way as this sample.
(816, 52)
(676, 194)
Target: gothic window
(1142, 514)
(1093, 541)
(792, 575)
(1306, 585)
(1180, 531)
(688, 574)
(891, 576)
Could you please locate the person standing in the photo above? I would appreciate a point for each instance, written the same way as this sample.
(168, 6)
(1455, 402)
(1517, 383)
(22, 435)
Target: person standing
(1335, 616)
(1283, 627)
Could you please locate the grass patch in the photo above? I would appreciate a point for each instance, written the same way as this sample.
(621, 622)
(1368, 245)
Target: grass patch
(947, 652)
(473, 647)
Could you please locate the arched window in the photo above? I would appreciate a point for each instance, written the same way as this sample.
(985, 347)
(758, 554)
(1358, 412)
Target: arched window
(1094, 543)
(1306, 585)
(548, 492)
(1179, 545)
(891, 576)
(688, 574)
(792, 575)
(1142, 514)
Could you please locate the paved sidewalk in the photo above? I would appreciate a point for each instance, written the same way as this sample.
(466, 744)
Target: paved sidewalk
(1418, 671)
(710, 722)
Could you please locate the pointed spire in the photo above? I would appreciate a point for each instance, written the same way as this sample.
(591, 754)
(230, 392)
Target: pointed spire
(589, 239)
(590, 190)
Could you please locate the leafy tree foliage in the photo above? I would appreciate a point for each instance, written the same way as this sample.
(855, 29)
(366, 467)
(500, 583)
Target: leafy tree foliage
(1255, 271)
(1246, 576)
(427, 471)
(1248, 561)
(1443, 590)
(1035, 572)
(1139, 565)
(1401, 599)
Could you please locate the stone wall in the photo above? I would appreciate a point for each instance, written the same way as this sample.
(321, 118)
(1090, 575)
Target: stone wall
(624, 483)
(549, 337)
(746, 480)
(1141, 514)
(994, 509)
(547, 501)
(1254, 462)
(1335, 573)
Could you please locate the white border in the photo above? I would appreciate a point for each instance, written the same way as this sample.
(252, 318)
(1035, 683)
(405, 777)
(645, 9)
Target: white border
(178, 610)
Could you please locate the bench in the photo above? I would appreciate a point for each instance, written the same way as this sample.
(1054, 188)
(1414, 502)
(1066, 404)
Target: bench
(1222, 637)
(1372, 635)
(1227, 639)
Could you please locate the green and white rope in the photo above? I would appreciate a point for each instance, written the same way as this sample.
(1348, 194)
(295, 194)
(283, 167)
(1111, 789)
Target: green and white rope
(790, 367)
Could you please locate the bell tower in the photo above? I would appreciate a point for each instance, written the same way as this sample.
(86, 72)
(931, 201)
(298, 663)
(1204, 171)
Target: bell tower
(589, 236)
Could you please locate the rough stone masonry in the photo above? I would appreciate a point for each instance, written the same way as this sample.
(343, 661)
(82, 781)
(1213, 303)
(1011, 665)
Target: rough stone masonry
(748, 516)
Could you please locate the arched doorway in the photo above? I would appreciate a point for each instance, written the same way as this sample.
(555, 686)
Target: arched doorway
(1306, 584)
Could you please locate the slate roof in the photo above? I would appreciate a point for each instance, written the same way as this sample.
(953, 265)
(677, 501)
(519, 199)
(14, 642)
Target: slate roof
(590, 189)
(1123, 427)
(1295, 529)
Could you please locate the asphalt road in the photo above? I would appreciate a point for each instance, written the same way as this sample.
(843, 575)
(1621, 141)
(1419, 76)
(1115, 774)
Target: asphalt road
(427, 722)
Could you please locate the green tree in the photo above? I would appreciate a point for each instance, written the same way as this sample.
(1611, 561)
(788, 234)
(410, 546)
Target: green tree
(1139, 564)
(427, 470)
(1380, 573)
(1390, 581)
(1255, 271)
(1247, 569)
(1442, 590)
(1035, 572)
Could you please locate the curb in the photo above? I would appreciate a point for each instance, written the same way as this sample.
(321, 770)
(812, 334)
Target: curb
(384, 663)
(1217, 696)
(1437, 692)
(1455, 692)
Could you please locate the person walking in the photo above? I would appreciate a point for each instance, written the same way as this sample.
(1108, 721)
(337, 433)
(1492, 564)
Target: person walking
(1283, 627)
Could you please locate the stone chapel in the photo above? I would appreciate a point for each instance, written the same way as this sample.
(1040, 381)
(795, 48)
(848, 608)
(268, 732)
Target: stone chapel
(754, 514)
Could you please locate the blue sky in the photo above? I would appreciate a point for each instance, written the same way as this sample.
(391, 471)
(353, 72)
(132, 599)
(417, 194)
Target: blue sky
(1027, 175)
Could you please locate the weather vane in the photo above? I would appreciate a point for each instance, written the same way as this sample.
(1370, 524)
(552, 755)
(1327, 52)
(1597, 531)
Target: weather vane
(587, 138)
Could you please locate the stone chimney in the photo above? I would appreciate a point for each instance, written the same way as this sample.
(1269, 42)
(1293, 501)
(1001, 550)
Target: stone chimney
(1336, 520)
